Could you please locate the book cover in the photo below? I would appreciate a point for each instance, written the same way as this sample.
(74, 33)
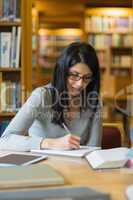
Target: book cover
(27, 176)
(57, 193)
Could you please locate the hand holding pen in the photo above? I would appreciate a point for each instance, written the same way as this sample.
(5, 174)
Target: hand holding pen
(72, 141)
(66, 142)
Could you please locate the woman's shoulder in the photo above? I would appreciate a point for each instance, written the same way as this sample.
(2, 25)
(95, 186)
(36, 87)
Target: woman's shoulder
(44, 94)
(42, 89)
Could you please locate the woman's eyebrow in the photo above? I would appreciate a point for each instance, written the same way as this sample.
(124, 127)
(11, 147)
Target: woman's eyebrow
(74, 72)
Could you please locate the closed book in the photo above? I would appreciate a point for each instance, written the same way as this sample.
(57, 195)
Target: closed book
(109, 158)
(62, 193)
(28, 176)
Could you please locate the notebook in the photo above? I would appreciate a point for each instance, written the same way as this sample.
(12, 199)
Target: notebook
(108, 158)
(16, 158)
(62, 193)
(27, 176)
(84, 150)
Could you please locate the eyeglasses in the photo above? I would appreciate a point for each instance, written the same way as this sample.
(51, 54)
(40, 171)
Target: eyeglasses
(77, 77)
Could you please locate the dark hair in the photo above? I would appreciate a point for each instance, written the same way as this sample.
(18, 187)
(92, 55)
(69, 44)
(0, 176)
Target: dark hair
(77, 52)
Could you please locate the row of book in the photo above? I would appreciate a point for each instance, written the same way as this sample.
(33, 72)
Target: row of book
(10, 43)
(46, 63)
(103, 41)
(122, 61)
(49, 44)
(10, 96)
(50, 47)
(123, 72)
(108, 23)
(54, 37)
(10, 10)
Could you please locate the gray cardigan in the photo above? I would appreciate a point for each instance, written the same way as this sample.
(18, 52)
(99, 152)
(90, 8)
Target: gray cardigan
(33, 123)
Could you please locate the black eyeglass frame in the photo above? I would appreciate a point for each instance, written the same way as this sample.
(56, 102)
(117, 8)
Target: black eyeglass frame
(77, 77)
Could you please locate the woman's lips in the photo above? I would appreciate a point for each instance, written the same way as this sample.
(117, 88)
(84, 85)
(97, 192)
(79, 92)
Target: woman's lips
(77, 91)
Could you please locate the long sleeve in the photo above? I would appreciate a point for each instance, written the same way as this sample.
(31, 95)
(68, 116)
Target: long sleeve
(15, 136)
(96, 130)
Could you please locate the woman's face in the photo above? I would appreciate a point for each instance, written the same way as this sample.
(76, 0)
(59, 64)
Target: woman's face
(80, 75)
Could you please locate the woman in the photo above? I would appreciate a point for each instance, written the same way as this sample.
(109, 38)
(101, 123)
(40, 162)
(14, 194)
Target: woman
(71, 100)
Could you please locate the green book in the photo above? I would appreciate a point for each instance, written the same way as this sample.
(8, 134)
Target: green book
(58, 193)
(28, 176)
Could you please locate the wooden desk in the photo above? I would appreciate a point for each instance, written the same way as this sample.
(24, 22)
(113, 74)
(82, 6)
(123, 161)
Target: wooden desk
(77, 172)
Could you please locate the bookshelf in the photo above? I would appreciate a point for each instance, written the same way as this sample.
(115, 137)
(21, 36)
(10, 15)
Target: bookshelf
(111, 34)
(15, 57)
(55, 25)
(51, 44)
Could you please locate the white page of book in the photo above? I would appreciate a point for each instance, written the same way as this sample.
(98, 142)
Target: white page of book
(72, 153)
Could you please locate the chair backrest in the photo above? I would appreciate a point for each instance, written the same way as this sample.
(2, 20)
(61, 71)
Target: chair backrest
(113, 135)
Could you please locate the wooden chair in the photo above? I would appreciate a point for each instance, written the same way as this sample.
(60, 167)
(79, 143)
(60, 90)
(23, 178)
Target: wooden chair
(113, 135)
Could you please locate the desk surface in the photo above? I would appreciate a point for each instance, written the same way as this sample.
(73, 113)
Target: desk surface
(77, 172)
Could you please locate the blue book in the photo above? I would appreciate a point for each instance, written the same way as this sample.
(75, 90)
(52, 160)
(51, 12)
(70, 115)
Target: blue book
(129, 163)
(130, 153)
(60, 193)
(3, 126)
(0, 128)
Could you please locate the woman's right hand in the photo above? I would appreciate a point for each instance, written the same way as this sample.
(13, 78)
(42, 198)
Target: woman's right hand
(65, 143)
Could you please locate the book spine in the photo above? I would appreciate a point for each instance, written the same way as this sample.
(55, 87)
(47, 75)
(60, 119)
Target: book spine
(1, 9)
(13, 47)
(11, 10)
(18, 45)
(5, 16)
(5, 48)
(0, 49)
(3, 126)
(17, 10)
(0, 88)
(3, 96)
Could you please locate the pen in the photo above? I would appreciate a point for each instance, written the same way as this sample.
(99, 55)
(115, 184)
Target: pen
(65, 127)
(81, 146)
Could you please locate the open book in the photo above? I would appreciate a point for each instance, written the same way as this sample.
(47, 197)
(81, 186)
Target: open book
(84, 150)
(109, 158)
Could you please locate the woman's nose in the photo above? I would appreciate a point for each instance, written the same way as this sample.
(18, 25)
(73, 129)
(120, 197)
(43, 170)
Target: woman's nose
(80, 82)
